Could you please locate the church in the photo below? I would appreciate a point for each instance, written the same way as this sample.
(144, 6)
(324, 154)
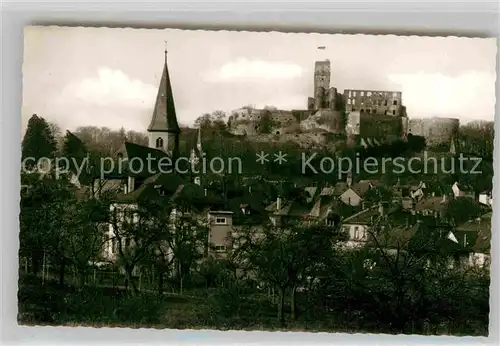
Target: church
(146, 173)
(158, 168)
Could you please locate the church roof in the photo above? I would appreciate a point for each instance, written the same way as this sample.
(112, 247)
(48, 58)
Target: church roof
(164, 118)
(137, 160)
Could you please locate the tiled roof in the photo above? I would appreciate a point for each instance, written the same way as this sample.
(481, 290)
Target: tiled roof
(251, 202)
(394, 237)
(136, 163)
(336, 190)
(134, 196)
(431, 203)
(288, 208)
(440, 237)
(364, 217)
(481, 227)
(361, 188)
(164, 117)
(324, 207)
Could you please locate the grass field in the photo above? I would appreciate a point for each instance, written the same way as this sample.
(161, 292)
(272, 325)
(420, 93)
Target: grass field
(105, 306)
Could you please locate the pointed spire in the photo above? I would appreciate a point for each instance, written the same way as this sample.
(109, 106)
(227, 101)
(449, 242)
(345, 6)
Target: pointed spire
(164, 118)
(198, 143)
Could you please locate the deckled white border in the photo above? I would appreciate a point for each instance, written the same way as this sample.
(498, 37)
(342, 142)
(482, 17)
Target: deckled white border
(444, 18)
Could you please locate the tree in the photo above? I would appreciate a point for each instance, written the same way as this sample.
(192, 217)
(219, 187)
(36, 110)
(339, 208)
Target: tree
(135, 236)
(215, 122)
(85, 236)
(403, 280)
(74, 150)
(265, 124)
(38, 141)
(283, 257)
(462, 209)
(476, 138)
(45, 221)
(107, 141)
(185, 243)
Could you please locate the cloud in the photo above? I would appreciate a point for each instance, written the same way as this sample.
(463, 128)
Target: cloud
(111, 87)
(469, 95)
(110, 98)
(250, 70)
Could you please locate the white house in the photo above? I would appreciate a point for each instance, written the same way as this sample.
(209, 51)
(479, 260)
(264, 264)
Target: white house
(460, 190)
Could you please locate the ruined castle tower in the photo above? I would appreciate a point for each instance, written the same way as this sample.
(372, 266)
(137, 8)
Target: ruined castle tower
(164, 130)
(321, 83)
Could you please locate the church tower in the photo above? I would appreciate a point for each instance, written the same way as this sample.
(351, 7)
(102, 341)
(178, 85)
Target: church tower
(195, 158)
(164, 130)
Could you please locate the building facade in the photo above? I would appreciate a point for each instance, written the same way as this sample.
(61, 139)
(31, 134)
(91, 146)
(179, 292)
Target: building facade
(435, 130)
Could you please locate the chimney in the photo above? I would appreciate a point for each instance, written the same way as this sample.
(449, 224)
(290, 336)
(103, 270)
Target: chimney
(278, 203)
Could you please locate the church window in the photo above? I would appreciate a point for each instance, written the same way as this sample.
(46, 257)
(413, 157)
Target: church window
(159, 142)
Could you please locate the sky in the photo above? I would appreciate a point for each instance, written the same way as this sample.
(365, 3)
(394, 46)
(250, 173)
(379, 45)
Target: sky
(109, 77)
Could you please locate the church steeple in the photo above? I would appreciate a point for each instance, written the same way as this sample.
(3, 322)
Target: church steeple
(198, 143)
(164, 129)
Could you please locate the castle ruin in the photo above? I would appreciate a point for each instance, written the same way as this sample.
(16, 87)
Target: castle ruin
(359, 114)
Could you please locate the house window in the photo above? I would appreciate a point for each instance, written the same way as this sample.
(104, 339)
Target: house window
(395, 102)
(159, 142)
(220, 248)
(220, 220)
(393, 112)
(330, 222)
